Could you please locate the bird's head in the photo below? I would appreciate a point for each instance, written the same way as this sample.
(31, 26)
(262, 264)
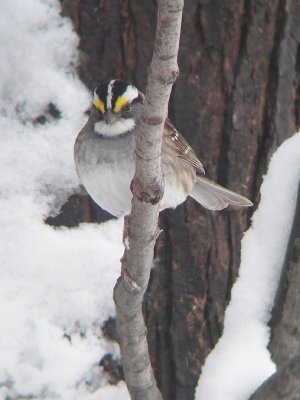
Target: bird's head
(117, 106)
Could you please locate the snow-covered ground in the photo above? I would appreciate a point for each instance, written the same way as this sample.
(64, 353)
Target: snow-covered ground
(57, 284)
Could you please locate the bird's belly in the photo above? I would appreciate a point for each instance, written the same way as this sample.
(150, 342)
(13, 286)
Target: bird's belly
(109, 187)
(172, 196)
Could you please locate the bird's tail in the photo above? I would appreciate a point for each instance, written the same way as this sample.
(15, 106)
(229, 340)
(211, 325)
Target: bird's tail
(215, 197)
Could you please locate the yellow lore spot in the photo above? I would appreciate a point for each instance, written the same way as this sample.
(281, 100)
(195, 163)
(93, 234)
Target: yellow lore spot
(98, 104)
(120, 103)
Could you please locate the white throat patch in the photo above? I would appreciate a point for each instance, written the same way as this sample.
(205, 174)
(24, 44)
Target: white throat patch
(115, 129)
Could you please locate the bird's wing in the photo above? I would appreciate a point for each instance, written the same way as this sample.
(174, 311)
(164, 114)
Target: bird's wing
(183, 150)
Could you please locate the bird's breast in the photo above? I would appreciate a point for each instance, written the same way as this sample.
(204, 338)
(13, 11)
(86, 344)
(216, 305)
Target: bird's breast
(106, 169)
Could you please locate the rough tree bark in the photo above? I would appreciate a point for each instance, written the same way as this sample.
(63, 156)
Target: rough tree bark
(236, 99)
(283, 385)
(140, 228)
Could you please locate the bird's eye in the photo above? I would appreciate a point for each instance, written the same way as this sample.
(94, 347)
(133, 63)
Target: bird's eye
(127, 108)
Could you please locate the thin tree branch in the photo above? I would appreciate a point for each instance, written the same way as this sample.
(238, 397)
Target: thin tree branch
(140, 228)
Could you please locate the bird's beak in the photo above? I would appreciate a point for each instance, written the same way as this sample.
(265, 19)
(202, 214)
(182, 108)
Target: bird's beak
(109, 117)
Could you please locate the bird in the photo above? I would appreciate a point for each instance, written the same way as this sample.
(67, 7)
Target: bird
(104, 154)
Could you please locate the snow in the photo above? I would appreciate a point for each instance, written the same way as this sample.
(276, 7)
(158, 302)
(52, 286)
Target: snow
(240, 361)
(56, 284)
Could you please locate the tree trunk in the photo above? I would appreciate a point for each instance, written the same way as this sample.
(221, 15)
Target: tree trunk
(236, 99)
(283, 385)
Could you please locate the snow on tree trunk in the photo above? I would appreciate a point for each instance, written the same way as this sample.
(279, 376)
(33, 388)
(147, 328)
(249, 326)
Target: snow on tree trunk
(285, 341)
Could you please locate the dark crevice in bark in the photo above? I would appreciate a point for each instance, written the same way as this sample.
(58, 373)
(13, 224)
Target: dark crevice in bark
(268, 140)
(128, 42)
(209, 24)
(209, 299)
(222, 170)
(246, 22)
(213, 303)
(229, 92)
(171, 113)
(230, 277)
(297, 94)
(198, 24)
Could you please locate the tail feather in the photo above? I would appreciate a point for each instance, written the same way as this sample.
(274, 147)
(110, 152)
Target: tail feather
(215, 197)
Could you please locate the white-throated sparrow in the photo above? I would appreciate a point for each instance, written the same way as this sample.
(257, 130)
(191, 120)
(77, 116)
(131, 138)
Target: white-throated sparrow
(105, 156)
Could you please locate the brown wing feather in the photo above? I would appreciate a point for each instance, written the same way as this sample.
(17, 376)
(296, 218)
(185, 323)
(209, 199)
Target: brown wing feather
(184, 150)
